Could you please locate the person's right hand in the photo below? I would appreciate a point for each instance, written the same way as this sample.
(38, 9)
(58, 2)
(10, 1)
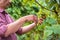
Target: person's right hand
(40, 21)
(32, 18)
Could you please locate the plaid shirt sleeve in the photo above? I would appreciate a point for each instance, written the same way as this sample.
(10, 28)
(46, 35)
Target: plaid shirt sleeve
(19, 31)
(3, 27)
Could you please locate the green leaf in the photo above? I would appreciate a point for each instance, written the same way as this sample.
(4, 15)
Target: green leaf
(54, 28)
(58, 1)
(47, 1)
(47, 33)
(51, 20)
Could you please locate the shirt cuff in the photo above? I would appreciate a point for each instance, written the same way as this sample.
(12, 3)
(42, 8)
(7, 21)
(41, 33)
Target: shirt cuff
(19, 31)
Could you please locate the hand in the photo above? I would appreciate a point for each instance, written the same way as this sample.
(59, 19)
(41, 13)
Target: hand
(40, 21)
(35, 18)
(32, 18)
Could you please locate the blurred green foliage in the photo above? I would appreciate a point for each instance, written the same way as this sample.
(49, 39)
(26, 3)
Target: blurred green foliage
(49, 29)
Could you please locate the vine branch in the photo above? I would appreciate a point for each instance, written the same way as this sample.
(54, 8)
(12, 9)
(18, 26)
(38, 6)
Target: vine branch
(43, 7)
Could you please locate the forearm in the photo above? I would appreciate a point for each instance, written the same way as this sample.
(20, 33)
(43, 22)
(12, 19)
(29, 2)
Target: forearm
(28, 28)
(13, 27)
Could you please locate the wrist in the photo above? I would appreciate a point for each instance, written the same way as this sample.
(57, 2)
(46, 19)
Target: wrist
(24, 18)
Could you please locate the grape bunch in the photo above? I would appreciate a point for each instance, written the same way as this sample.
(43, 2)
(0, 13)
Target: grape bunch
(40, 20)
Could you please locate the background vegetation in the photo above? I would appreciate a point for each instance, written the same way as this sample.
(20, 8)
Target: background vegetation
(49, 29)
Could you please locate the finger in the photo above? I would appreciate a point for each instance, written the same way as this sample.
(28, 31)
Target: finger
(35, 19)
(40, 21)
